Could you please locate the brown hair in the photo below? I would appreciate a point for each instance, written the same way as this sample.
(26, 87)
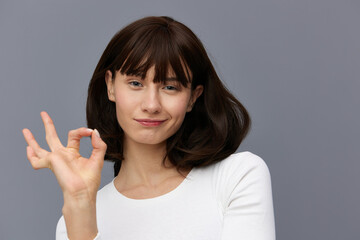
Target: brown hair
(217, 123)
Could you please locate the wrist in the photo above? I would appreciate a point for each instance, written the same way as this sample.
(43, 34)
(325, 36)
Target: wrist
(78, 204)
(80, 218)
(79, 197)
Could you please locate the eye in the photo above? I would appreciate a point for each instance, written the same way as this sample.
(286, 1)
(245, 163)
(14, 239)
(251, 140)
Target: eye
(135, 83)
(170, 87)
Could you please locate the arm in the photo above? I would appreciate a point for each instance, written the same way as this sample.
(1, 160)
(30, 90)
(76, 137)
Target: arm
(78, 177)
(248, 209)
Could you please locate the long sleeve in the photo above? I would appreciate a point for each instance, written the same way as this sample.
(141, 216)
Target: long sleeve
(247, 200)
(61, 231)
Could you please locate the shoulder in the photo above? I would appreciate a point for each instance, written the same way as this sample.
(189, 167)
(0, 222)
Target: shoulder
(244, 194)
(245, 158)
(241, 164)
(237, 167)
(105, 191)
(242, 175)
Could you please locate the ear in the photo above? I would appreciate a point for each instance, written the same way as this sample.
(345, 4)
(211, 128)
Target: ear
(194, 96)
(110, 85)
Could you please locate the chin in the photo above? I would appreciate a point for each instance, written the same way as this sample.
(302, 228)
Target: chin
(149, 141)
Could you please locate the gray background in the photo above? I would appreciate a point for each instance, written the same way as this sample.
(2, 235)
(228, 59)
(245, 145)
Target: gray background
(294, 64)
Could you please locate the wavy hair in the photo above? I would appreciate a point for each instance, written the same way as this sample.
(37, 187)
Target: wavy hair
(218, 122)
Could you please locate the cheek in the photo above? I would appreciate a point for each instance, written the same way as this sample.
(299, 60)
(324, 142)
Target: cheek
(124, 103)
(178, 107)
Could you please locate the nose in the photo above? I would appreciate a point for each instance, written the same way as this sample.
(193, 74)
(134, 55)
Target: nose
(151, 101)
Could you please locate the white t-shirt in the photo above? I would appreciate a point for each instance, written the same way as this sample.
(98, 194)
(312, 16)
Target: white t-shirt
(229, 200)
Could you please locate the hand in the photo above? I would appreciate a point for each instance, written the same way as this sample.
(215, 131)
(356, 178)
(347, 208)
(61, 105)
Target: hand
(78, 177)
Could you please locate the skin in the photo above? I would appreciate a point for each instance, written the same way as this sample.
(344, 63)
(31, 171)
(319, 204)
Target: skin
(142, 175)
(149, 114)
(78, 177)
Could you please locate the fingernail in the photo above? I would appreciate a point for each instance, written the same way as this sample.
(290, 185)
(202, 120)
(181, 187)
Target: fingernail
(97, 132)
(89, 130)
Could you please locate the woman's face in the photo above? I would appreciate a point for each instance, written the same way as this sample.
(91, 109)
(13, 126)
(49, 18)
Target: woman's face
(148, 112)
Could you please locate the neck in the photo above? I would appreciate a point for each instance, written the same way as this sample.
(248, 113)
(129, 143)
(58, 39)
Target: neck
(143, 165)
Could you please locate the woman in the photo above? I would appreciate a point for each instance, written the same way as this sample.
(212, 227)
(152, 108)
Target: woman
(171, 128)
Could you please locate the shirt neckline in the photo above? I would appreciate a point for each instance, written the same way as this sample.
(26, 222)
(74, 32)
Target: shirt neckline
(177, 190)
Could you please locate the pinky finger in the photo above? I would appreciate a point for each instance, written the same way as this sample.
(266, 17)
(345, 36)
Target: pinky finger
(35, 161)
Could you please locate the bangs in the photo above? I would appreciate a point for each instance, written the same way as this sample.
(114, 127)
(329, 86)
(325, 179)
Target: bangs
(154, 47)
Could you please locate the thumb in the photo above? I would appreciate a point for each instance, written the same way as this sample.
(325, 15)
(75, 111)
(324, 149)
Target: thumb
(99, 146)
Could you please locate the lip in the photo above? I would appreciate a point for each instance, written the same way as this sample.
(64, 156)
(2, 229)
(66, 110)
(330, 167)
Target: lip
(150, 122)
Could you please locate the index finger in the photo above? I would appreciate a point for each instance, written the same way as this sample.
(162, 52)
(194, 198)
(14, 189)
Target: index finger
(51, 136)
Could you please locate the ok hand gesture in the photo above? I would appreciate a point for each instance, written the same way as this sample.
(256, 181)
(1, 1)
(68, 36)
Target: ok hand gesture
(77, 176)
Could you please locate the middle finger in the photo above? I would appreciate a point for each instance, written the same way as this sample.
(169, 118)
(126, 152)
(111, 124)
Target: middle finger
(51, 136)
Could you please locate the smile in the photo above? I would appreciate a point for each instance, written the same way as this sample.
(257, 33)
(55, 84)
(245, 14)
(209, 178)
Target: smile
(150, 122)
